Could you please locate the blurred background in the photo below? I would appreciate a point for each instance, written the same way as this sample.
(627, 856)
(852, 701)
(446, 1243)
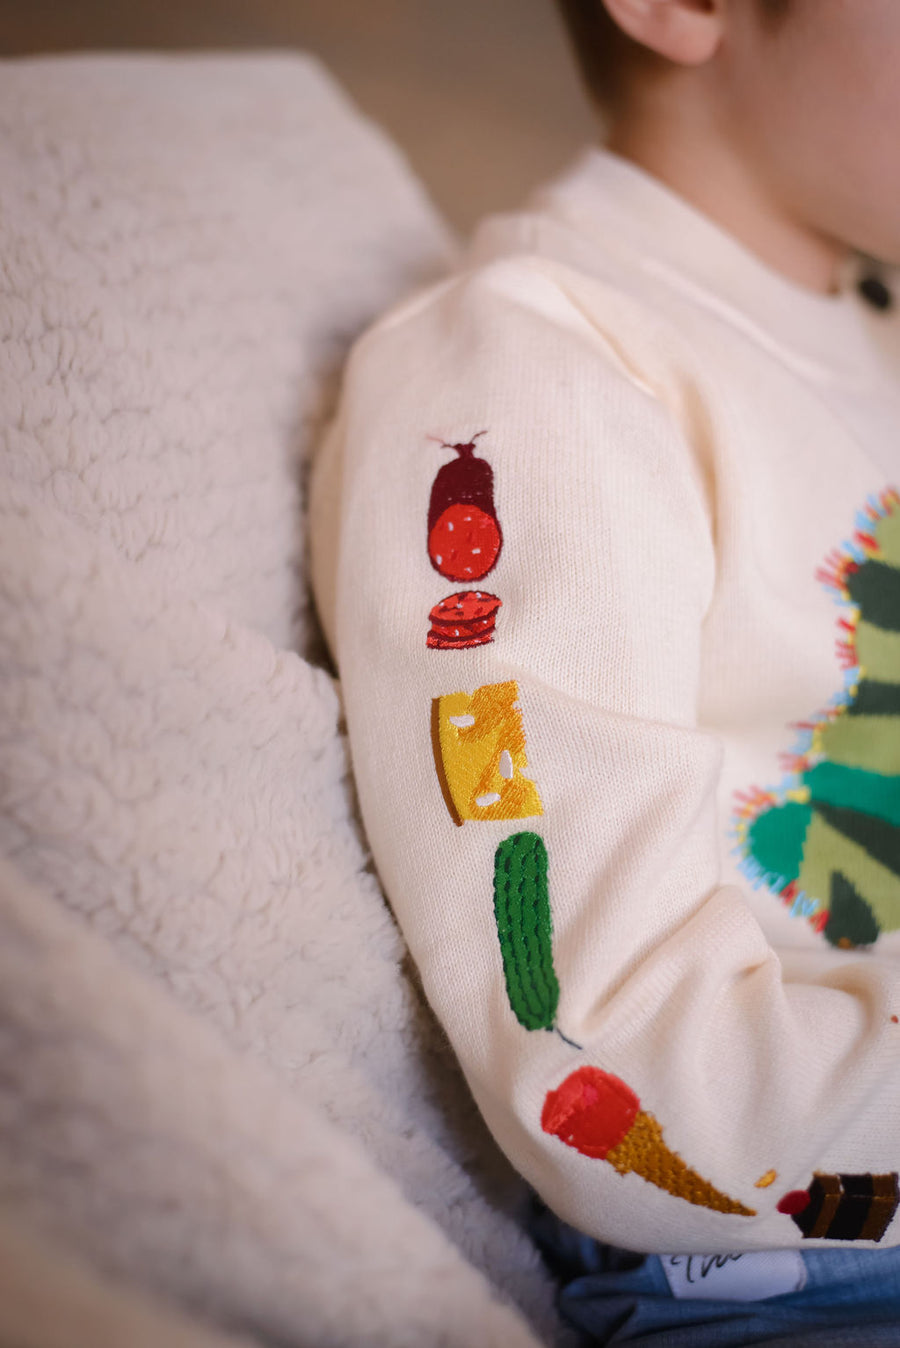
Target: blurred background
(482, 95)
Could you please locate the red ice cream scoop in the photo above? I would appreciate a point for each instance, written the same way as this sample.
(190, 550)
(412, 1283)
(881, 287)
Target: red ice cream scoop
(591, 1111)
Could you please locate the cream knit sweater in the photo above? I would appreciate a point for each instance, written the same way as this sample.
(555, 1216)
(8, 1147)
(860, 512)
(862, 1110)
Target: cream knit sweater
(607, 551)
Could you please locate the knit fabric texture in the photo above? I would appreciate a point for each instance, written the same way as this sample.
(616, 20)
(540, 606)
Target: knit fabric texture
(636, 803)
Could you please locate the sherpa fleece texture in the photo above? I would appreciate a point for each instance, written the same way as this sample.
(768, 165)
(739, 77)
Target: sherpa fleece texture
(218, 1080)
(53, 1301)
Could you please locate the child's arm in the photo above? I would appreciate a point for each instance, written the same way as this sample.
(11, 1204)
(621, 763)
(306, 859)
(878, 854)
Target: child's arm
(540, 803)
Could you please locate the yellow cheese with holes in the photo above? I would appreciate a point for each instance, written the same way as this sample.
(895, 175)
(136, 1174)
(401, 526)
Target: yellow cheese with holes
(479, 753)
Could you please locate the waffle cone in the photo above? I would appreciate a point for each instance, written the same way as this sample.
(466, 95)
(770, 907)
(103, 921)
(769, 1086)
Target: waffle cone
(643, 1152)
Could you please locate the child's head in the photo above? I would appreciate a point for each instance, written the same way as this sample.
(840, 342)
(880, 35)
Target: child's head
(792, 103)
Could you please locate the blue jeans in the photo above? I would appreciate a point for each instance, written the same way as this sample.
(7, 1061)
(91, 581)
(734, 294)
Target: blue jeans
(851, 1298)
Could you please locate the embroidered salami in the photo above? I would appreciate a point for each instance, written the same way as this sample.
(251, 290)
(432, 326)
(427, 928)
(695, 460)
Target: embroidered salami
(464, 537)
(463, 619)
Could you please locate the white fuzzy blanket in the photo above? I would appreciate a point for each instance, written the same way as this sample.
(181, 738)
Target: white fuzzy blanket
(218, 1081)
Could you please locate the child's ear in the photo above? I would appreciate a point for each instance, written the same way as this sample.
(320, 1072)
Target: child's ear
(685, 31)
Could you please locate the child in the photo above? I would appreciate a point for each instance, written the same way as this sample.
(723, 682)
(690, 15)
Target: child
(607, 547)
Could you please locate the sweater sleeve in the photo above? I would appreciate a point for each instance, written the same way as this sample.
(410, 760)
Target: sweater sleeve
(513, 555)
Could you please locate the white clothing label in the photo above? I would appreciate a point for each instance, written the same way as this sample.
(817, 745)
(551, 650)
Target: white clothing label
(734, 1277)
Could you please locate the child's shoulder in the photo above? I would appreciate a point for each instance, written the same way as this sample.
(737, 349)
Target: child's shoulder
(527, 283)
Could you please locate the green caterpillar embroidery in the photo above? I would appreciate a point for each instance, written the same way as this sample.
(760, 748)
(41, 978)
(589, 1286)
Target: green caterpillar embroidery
(828, 839)
(522, 910)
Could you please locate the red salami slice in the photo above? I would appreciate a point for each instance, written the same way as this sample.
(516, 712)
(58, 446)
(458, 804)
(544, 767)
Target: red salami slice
(464, 543)
(463, 619)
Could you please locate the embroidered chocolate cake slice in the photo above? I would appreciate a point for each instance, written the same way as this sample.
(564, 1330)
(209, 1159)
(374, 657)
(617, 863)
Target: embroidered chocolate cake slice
(849, 1207)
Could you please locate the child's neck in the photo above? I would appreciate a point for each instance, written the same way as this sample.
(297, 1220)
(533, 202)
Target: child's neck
(689, 156)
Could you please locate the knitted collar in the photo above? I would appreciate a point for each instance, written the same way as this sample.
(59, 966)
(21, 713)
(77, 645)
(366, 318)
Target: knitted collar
(633, 214)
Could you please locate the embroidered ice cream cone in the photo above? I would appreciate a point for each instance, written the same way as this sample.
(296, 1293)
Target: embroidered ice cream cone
(600, 1116)
(643, 1152)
